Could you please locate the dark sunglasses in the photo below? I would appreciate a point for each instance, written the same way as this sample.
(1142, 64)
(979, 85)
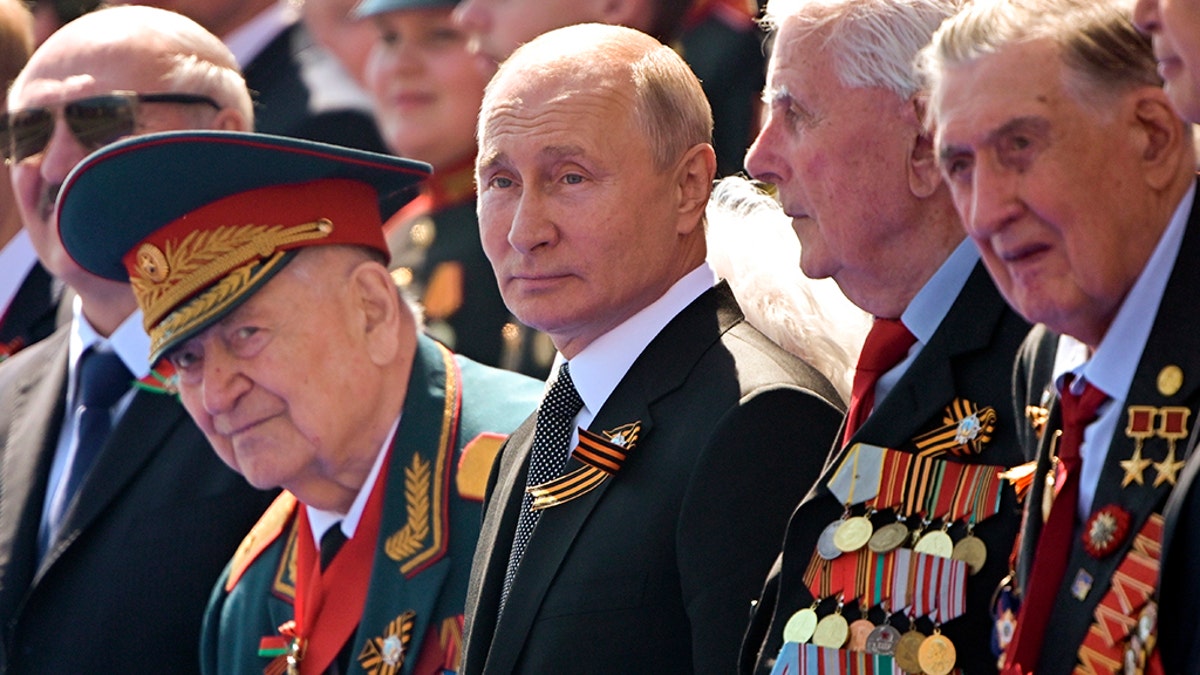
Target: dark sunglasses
(95, 121)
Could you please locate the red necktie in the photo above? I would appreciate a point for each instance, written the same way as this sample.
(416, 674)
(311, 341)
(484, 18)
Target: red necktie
(886, 345)
(1058, 533)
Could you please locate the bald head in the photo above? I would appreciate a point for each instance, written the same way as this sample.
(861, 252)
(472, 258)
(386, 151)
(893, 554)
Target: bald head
(143, 44)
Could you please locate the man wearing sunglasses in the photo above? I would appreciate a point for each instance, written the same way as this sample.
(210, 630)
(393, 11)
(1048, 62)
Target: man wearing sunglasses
(112, 532)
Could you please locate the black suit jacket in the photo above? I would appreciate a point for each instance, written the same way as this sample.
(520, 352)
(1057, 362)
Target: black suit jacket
(655, 569)
(282, 99)
(123, 588)
(32, 313)
(1173, 341)
(969, 356)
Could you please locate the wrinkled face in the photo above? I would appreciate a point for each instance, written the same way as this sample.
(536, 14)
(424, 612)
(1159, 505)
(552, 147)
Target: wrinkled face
(1174, 26)
(262, 386)
(1049, 188)
(56, 76)
(838, 157)
(426, 86)
(497, 27)
(579, 225)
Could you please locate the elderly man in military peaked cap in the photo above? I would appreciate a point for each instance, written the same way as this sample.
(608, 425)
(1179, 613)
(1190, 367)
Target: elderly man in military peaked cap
(260, 266)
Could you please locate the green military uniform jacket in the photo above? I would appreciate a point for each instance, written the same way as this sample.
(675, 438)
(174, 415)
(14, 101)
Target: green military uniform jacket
(455, 415)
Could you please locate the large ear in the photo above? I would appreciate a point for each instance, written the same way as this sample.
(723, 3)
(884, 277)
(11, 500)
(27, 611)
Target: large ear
(693, 180)
(231, 119)
(1161, 136)
(924, 175)
(377, 301)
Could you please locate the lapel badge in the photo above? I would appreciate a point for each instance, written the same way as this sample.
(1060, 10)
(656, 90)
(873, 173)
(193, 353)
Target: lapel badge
(1170, 380)
(1173, 427)
(162, 379)
(1082, 585)
(966, 429)
(1105, 531)
(384, 655)
(1139, 428)
(602, 456)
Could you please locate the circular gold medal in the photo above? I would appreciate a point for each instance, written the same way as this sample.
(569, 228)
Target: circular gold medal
(831, 632)
(883, 640)
(826, 548)
(908, 649)
(852, 534)
(888, 538)
(800, 627)
(860, 630)
(935, 543)
(972, 551)
(937, 655)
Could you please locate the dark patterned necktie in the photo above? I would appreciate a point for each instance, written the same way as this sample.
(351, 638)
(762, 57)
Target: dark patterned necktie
(103, 380)
(331, 543)
(546, 460)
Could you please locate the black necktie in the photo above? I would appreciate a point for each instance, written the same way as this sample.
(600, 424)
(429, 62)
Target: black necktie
(331, 543)
(546, 460)
(103, 380)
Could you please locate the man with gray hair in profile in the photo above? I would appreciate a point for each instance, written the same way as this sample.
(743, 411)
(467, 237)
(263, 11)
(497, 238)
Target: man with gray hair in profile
(930, 410)
(1076, 179)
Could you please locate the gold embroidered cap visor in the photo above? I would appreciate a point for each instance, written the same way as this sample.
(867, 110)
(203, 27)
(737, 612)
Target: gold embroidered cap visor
(198, 220)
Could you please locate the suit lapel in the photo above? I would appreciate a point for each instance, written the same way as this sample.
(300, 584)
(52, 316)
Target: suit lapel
(35, 416)
(142, 431)
(661, 368)
(927, 387)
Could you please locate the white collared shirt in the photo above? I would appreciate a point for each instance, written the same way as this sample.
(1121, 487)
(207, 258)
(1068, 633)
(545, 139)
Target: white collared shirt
(598, 369)
(1115, 361)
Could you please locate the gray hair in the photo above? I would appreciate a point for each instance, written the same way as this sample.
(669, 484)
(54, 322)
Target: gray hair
(873, 42)
(1103, 51)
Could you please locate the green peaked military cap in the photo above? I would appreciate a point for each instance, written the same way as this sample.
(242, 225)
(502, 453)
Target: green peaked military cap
(197, 221)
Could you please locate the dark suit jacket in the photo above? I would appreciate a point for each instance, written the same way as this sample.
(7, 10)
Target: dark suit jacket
(282, 99)
(654, 570)
(32, 313)
(123, 588)
(969, 356)
(1173, 341)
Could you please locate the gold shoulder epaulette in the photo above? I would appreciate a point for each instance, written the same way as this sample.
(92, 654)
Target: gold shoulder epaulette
(265, 531)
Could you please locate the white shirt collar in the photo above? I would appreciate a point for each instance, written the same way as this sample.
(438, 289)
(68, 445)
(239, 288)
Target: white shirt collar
(129, 341)
(931, 304)
(601, 365)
